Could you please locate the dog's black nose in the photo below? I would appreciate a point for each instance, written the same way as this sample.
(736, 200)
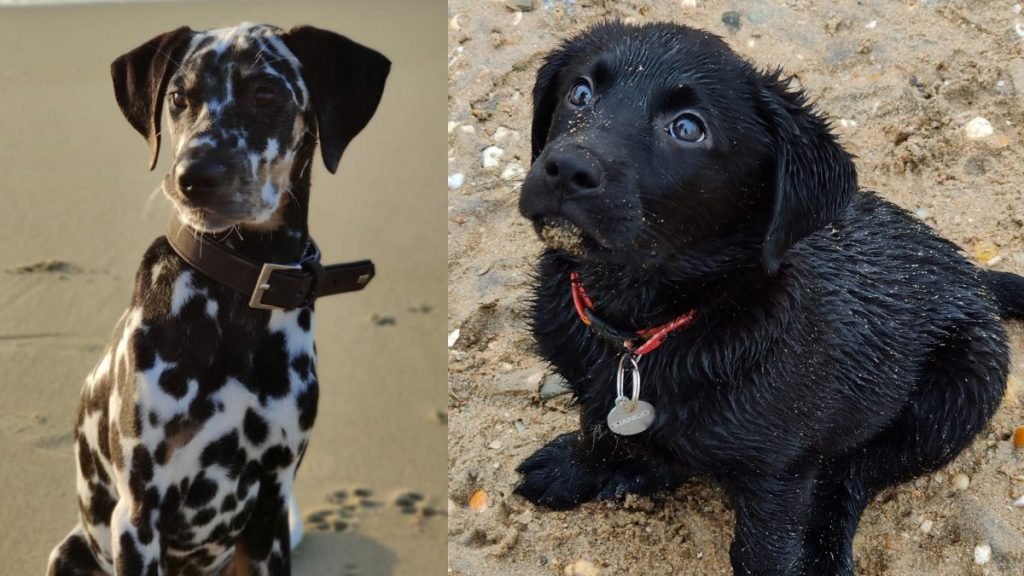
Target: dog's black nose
(200, 177)
(573, 173)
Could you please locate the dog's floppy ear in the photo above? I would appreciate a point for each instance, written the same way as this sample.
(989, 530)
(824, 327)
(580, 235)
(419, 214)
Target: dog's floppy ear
(140, 79)
(547, 90)
(345, 82)
(545, 100)
(814, 179)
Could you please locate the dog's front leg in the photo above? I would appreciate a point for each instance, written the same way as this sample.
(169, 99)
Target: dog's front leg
(772, 515)
(580, 466)
(263, 548)
(136, 541)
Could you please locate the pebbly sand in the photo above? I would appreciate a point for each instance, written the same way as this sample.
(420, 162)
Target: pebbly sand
(902, 81)
(77, 214)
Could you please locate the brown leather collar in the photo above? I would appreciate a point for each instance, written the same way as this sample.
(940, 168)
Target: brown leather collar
(270, 286)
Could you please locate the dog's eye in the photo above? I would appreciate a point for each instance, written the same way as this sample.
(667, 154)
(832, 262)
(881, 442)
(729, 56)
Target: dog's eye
(264, 95)
(581, 93)
(687, 128)
(178, 101)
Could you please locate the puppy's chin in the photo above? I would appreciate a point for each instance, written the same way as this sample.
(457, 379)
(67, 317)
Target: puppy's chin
(561, 235)
(264, 217)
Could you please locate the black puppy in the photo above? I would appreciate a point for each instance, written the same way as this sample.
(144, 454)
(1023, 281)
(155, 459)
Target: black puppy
(802, 342)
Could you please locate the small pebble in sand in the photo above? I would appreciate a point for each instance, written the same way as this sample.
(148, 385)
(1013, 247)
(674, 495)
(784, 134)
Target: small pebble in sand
(1019, 502)
(453, 337)
(871, 25)
(961, 481)
(502, 134)
(512, 171)
(921, 213)
(455, 181)
(491, 156)
(982, 554)
(978, 128)
(1018, 437)
(494, 445)
(983, 250)
(731, 19)
(926, 526)
(479, 501)
(533, 380)
(582, 568)
(554, 385)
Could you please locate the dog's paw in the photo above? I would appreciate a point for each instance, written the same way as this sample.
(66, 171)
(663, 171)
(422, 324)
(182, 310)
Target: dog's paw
(295, 527)
(554, 477)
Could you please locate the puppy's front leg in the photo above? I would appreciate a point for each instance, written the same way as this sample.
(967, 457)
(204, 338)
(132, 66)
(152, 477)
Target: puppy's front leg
(771, 523)
(136, 541)
(579, 466)
(263, 548)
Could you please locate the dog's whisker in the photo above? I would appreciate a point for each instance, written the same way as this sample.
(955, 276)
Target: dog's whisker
(157, 192)
(275, 60)
(168, 56)
(305, 167)
(259, 55)
(493, 183)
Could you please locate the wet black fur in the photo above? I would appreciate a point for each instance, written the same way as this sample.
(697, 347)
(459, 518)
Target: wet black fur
(840, 345)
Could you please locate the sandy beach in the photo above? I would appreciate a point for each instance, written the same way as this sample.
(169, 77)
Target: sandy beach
(902, 82)
(79, 209)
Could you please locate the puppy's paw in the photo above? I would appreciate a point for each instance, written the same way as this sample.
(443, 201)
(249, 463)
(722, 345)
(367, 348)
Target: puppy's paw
(554, 477)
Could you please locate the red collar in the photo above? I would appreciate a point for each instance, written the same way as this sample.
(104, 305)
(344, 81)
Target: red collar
(651, 337)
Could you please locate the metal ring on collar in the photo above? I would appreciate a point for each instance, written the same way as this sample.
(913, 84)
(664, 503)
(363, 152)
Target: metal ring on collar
(620, 378)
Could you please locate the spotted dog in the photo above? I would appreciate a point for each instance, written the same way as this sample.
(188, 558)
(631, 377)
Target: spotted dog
(193, 423)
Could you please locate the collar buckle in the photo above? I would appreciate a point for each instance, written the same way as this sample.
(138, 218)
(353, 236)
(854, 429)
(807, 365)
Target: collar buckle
(263, 284)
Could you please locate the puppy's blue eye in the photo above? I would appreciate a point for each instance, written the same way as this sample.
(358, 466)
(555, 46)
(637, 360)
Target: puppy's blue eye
(687, 128)
(581, 93)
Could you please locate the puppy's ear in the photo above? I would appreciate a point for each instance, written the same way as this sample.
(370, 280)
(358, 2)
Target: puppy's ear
(140, 79)
(547, 90)
(815, 178)
(545, 100)
(345, 82)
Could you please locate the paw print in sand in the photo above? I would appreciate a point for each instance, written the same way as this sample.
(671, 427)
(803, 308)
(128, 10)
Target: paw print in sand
(351, 505)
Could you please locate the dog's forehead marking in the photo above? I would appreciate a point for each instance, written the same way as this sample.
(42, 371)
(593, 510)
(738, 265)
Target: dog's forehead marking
(258, 45)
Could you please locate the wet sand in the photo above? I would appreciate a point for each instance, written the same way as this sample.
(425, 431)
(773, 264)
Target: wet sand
(902, 81)
(75, 189)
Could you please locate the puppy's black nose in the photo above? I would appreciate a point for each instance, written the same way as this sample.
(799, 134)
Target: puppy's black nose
(573, 173)
(200, 177)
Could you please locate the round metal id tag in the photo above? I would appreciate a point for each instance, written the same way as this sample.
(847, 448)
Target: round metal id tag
(630, 415)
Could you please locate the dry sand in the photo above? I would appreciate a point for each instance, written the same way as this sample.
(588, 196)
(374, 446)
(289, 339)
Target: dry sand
(74, 188)
(902, 80)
